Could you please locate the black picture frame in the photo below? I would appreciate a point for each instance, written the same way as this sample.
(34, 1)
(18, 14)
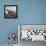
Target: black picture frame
(10, 11)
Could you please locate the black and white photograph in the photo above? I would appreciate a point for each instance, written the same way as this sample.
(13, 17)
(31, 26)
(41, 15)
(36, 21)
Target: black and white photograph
(10, 11)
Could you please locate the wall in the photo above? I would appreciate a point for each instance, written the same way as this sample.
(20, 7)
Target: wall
(29, 12)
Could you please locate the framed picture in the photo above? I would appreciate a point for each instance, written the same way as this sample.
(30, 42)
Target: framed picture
(10, 11)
